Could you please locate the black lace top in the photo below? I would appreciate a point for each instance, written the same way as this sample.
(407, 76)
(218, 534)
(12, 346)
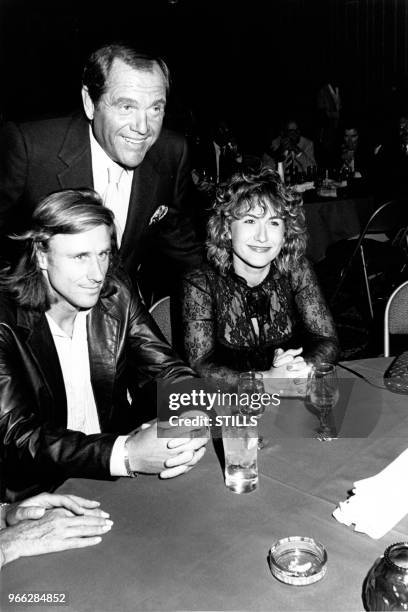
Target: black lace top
(220, 339)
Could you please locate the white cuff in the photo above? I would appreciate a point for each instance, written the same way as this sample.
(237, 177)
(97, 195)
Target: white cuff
(117, 459)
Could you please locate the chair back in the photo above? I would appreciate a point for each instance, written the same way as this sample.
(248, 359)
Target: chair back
(391, 218)
(160, 312)
(387, 217)
(396, 315)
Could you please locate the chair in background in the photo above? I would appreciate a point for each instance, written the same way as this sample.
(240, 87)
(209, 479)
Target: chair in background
(389, 221)
(160, 312)
(396, 315)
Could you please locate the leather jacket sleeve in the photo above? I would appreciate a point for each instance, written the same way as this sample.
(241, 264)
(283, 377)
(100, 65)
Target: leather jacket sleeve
(34, 448)
(145, 355)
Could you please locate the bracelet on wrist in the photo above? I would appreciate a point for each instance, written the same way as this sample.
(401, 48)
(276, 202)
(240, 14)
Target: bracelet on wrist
(129, 471)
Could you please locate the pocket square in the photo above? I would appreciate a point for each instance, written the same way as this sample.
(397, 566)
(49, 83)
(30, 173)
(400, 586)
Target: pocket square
(158, 215)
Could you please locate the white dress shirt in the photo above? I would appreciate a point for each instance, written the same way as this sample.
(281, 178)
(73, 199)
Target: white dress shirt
(82, 414)
(103, 167)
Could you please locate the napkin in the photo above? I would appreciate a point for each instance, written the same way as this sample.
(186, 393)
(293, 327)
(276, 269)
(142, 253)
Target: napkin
(378, 503)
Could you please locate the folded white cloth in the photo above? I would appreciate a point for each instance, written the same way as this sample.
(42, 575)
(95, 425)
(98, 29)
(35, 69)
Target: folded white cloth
(379, 502)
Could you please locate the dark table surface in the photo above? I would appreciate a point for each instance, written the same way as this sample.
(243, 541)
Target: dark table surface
(191, 544)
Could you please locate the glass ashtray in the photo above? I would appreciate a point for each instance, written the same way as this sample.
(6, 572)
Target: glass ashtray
(298, 560)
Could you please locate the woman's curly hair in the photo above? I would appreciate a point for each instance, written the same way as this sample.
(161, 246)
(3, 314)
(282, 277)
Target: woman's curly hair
(243, 193)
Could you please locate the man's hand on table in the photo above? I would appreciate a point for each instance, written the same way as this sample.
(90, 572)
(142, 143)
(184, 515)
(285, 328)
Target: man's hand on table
(35, 507)
(50, 522)
(167, 457)
(57, 530)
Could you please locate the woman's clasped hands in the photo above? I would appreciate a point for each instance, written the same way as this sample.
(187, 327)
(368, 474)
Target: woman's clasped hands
(291, 370)
(290, 364)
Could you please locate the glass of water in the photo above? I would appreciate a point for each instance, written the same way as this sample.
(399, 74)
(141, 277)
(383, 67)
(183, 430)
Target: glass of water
(324, 395)
(241, 461)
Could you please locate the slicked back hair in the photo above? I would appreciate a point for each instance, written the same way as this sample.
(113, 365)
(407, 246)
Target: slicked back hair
(99, 63)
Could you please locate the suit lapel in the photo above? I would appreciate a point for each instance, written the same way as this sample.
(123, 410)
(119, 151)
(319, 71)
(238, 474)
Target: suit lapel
(76, 155)
(42, 347)
(142, 202)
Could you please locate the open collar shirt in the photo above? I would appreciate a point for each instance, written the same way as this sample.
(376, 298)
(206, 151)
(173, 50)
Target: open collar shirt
(82, 414)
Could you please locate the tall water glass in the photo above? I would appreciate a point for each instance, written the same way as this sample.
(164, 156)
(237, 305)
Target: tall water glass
(241, 461)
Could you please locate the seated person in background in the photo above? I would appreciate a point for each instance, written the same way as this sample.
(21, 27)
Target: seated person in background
(215, 158)
(74, 338)
(216, 155)
(353, 157)
(292, 149)
(49, 523)
(257, 304)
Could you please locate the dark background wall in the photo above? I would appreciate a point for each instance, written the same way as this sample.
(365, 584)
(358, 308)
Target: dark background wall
(251, 61)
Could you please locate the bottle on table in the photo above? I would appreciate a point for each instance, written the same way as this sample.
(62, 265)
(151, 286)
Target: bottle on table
(386, 586)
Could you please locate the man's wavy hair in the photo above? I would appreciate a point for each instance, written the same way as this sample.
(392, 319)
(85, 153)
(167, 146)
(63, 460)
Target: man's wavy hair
(242, 194)
(71, 211)
(99, 63)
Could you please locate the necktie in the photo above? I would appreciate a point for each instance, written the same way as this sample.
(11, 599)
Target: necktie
(114, 199)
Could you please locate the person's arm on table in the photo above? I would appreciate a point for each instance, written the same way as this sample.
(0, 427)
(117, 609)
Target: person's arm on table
(321, 341)
(200, 334)
(63, 453)
(199, 341)
(57, 530)
(180, 453)
(31, 443)
(152, 360)
(36, 507)
(150, 454)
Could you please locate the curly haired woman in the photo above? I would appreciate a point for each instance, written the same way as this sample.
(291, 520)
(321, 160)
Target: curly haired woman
(257, 304)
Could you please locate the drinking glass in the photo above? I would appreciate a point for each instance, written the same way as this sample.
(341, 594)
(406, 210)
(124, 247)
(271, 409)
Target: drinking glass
(251, 383)
(324, 395)
(240, 452)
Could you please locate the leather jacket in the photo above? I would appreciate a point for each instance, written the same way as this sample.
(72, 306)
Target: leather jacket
(126, 351)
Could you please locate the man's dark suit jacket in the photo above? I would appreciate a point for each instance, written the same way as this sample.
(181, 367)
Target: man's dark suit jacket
(40, 157)
(37, 451)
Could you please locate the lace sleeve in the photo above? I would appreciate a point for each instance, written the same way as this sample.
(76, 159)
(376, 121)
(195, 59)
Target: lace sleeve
(199, 330)
(321, 341)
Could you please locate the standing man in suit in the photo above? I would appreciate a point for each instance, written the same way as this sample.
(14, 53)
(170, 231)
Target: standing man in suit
(119, 148)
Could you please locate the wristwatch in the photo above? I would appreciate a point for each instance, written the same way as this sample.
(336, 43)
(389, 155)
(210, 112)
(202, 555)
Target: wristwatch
(129, 471)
